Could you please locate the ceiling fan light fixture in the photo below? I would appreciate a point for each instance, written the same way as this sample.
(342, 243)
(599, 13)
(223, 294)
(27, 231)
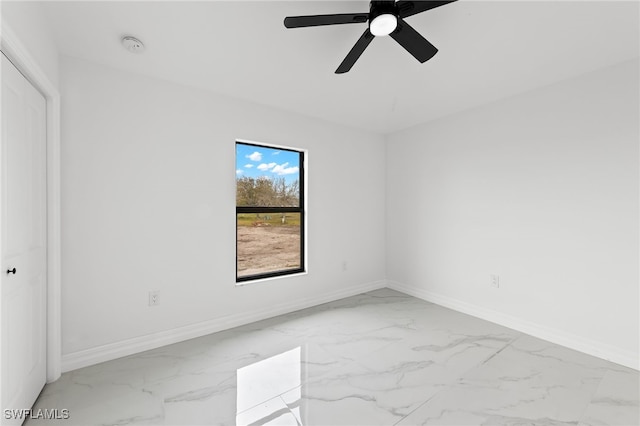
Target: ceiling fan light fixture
(385, 17)
(383, 25)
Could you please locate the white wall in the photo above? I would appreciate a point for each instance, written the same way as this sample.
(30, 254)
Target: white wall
(541, 189)
(27, 20)
(148, 184)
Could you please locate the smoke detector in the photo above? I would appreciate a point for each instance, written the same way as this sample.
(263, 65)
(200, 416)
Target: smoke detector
(132, 44)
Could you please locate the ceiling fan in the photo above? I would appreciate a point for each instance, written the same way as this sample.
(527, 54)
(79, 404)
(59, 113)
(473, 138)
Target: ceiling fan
(385, 17)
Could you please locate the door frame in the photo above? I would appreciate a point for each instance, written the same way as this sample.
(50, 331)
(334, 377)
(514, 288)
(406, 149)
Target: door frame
(19, 55)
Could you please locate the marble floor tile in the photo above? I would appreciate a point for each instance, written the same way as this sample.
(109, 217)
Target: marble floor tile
(378, 358)
(409, 373)
(348, 396)
(528, 382)
(272, 412)
(617, 400)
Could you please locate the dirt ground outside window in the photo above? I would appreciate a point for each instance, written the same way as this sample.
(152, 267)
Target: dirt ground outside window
(264, 248)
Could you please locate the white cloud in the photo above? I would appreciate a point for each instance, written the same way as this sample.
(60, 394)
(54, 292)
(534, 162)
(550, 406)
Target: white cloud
(265, 167)
(282, 169)
(256, 156)
(275, 153)
(239, 172)
(248, 166)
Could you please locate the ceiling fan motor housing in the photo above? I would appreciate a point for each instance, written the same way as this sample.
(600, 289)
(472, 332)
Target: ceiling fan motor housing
(383, 17)
(378, 8)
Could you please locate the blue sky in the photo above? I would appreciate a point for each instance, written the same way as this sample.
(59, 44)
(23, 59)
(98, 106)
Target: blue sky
(255, 161)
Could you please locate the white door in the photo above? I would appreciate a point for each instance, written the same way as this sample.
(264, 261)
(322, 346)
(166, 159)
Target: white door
(23, 243)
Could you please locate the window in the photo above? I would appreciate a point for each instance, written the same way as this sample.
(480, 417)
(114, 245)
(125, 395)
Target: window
(269, 211)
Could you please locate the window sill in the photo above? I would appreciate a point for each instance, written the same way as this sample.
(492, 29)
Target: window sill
(280, 277)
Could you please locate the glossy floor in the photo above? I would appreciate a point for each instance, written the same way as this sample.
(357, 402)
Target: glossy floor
(380, 358)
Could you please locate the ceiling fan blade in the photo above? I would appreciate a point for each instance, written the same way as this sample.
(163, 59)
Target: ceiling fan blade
(355, 52)
(409, 8)
(317, 20)
(413, 42)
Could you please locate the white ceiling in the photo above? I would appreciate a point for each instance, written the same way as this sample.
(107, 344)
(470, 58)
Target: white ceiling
(488, 51)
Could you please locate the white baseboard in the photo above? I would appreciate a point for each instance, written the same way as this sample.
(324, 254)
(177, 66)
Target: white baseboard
(91, 356)
(581, 344)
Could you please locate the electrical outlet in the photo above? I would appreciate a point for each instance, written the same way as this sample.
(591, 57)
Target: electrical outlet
(154, 298)
(494, 280)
